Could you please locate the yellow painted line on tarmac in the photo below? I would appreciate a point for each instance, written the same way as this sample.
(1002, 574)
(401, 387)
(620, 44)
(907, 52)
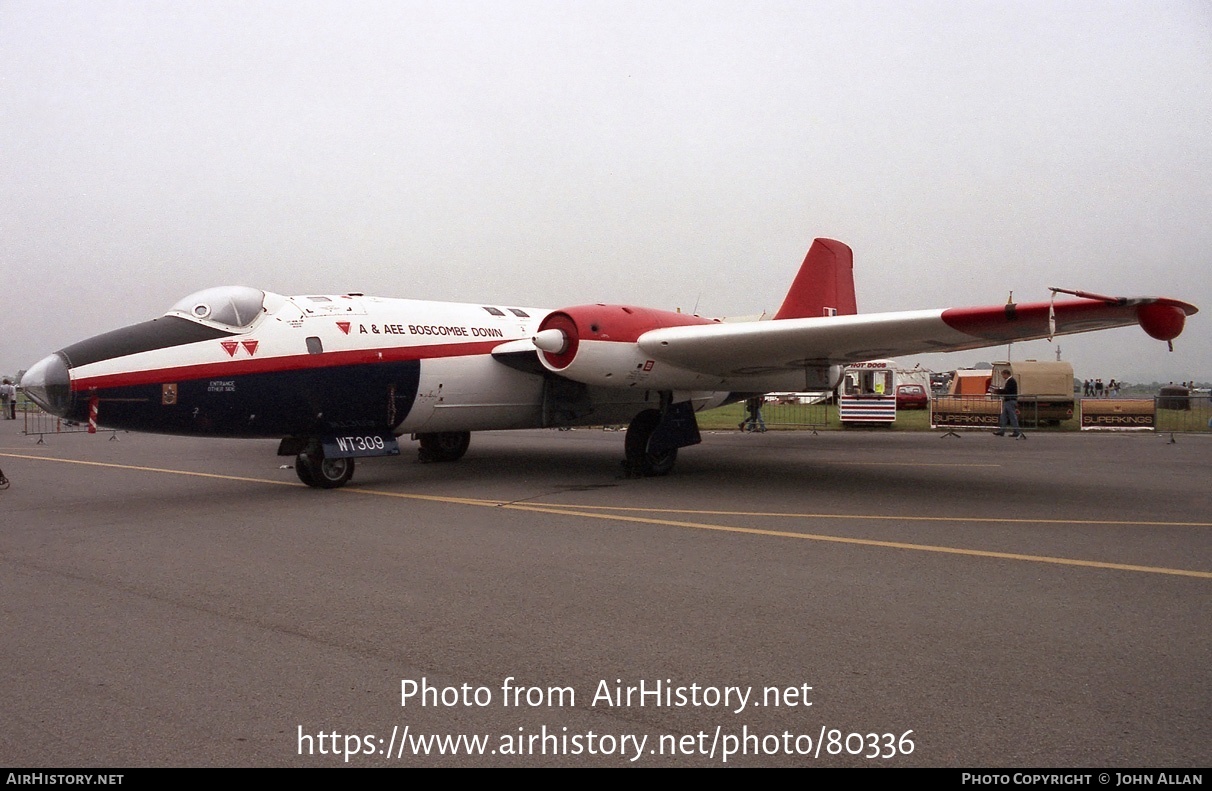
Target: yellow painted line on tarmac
(138, 468)
(432, 498)
(583, 511)
(588, 513)
(872, 542)
(879, 517)
(906, 464)
(246, 479)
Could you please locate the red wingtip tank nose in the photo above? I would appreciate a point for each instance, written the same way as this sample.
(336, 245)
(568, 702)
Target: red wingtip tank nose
(1161, 320)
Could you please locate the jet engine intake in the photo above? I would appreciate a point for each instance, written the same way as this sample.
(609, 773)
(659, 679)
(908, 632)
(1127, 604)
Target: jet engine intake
(598, 345)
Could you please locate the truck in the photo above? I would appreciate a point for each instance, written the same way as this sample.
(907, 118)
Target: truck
(1045, 395)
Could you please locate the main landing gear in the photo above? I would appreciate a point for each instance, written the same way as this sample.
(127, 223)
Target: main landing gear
(641, 461)
(654, 436)
(444, 445)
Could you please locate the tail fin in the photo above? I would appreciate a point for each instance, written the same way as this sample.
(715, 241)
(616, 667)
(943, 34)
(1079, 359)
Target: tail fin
(824, 285)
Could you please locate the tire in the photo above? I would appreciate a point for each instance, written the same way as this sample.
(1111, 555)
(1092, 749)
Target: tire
(321, 473)
(444, 446)
(303, 469)
(635, 447)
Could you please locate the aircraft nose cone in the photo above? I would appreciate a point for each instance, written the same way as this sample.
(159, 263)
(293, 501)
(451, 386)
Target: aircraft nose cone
(48, 384)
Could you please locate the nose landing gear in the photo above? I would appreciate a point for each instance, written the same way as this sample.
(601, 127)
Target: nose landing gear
(321, 473)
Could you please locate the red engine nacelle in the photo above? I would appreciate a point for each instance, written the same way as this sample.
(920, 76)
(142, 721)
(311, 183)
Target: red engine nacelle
(597, 344)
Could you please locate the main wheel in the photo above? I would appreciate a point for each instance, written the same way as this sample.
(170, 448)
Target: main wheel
(444, 446)
(635, 446)
(322, 473)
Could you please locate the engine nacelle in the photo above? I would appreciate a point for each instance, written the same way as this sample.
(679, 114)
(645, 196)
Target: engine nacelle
(597, 345)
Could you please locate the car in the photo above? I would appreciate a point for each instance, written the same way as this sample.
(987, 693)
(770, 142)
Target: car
(911, 397)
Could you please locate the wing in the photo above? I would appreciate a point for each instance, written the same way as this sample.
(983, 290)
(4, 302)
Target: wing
(755, 348)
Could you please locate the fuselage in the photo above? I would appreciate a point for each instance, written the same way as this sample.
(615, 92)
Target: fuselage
(239, 362)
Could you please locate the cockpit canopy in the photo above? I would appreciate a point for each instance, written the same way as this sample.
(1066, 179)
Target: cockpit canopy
(232, 306)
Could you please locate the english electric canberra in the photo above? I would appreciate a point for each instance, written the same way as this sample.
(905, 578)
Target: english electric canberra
(338, 377)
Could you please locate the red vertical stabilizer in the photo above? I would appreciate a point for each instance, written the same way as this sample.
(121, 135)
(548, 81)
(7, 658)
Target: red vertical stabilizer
(824, 285)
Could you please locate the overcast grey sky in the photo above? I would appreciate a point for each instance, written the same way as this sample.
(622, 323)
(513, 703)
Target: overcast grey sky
(665, 154)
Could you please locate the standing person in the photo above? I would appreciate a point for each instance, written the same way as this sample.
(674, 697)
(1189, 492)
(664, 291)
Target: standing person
(1009, 416)
(6, 394)
(753, 421)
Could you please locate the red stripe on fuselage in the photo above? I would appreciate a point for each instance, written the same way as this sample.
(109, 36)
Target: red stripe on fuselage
(294, 362)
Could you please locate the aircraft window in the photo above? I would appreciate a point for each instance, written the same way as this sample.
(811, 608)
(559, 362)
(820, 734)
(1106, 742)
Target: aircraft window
(494, 311)
(520, 313)
(235, 306)
(314, 345)
(319, 299)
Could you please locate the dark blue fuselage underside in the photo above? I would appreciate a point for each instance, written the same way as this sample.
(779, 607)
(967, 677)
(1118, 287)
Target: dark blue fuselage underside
(304, 402)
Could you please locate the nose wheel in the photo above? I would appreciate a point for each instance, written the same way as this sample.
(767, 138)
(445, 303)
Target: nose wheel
(321, 473)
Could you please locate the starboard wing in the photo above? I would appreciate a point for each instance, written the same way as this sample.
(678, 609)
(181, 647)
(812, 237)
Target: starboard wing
(765, 346)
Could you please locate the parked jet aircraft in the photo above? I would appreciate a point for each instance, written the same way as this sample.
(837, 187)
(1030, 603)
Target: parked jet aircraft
(343, 376)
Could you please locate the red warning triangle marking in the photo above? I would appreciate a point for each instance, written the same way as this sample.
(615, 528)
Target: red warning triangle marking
(250, 347)
(229, 347)
(343, 326)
